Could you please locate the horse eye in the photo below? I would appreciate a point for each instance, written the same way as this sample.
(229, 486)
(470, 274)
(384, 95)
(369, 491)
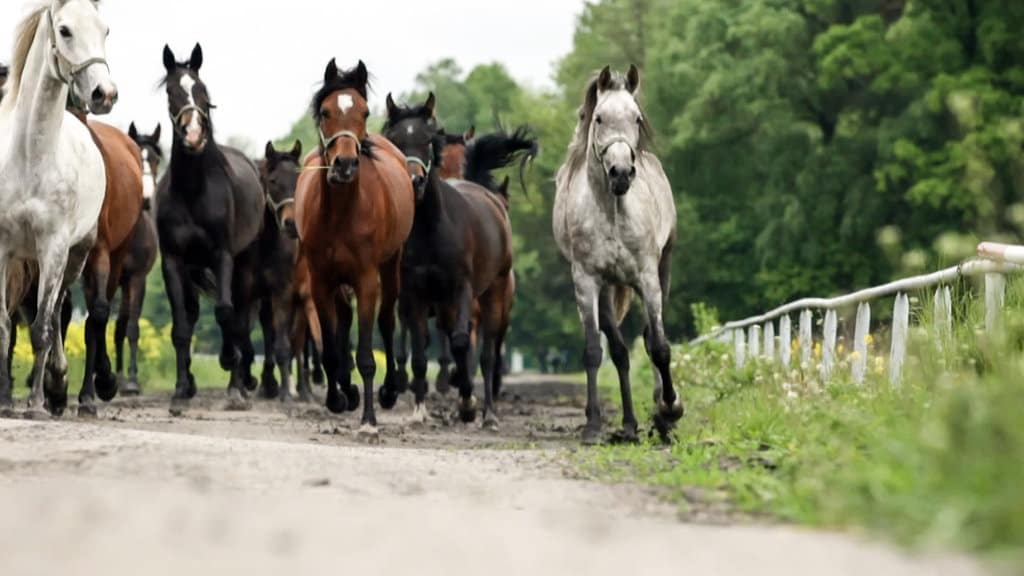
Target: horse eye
(639, 119)
(324, 114)
(65, 32)
(598, 119)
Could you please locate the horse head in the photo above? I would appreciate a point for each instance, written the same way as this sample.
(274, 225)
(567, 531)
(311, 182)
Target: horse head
(340, 111)
(280, 174)
(188, 101)
(78, 46)
(152, 155)
(618, 128)
(413, 129)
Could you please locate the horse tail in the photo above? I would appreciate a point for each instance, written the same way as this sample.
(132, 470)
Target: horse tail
(499, 150)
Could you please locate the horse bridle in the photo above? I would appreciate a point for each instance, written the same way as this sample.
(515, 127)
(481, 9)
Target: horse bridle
(417, 161)
(176, 123)
(277, 207)
(73, 69)
(326, 143)
(617, 140)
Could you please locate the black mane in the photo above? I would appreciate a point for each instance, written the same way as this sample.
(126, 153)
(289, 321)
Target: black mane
(451, 139)
(498, 150)
(400, 113)
(343, 80)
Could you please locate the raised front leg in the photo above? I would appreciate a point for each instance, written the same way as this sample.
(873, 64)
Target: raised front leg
(588, 292)
(367, 294)
(181, 295)
(669, 405)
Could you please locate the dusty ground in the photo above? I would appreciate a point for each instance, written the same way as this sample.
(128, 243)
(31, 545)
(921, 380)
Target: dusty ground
(262, 492)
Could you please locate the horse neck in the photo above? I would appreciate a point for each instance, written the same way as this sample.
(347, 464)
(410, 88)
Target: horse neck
(40, 101)
(599, 186)
(188, 171)
(433, 202)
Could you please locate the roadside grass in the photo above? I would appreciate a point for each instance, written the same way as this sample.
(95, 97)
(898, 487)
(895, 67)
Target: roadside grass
(936, 462)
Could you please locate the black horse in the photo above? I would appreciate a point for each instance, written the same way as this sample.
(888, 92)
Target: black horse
(458, 256)
(277, 286)
(142, 252)
(210, 207)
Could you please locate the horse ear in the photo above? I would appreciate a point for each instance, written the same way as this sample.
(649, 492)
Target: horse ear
(503, 187)
(195, 62)
(604, 80)
(156, 133)
(331, 72)
(169, 62)
(468, 135)
(430, 103)
(362, 76)
(392, 108)
(269, 151)
(633, 79)
(132, 132)
(297, 149)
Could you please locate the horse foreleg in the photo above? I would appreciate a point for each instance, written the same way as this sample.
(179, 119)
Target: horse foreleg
(402, 349)
(418, 327)
(609, 324)
(443, 381)
(6, 345)
(182, 298)
(588, 291)
(389, 274)
(327, 312)
(367, 294)
(106, 381)
(461, 342)
(121, 325)
(283, 320)
(242, 379)
(269, 388)
(53, 261)
(136, 297)
(669, 405)
(307, 338)
(225, 310)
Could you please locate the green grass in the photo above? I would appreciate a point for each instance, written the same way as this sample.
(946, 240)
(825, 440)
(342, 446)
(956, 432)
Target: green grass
(936, 462)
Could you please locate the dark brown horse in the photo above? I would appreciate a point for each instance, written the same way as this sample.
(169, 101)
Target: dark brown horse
(286, 305)
(138, 262)
(460, 250)
(354, 211)
(102, 276)
(209, 215)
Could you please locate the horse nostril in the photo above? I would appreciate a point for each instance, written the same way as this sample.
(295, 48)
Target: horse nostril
(632, 172)
(613, 172)
(97, 96)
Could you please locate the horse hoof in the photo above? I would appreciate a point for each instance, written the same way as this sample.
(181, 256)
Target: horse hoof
(443, 384)
(130, 388)
(306, 397)
(236, 401)
(106, 386)
(628, 435)
(419, 415)
(352, 395)
(591, 436)
(36, 414)
(388, 397)
(491, 422)
(57, 402)
(269, 388)
(7, 411)
(88, 411)
(250, 383)
(672, 414)
(190, 392)
(337, 402)
(467, 409)
(368, 434)
(178, 406)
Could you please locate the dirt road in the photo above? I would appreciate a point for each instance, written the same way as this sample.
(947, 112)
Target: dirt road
(139, 492)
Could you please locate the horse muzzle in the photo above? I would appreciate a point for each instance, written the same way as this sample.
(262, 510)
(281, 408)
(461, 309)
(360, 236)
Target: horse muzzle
(343, 171)
(621, 180)
(103, 98)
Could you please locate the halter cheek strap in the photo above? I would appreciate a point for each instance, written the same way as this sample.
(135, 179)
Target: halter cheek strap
(617, 140)
(277, 207)
(73, 69)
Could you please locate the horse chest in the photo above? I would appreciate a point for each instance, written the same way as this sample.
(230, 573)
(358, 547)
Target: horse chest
(608, 249)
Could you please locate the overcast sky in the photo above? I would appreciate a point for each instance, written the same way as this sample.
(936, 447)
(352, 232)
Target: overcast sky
(263, 60)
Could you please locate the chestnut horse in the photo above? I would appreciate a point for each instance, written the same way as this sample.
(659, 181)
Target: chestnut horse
(354, 211)
(209, 216)
(102, 276)
(459, 254)
(138, 262)
(453, 158)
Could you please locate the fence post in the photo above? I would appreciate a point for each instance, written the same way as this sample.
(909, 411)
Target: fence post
(995, 294)
(860, 342)
(828, 347)
(769, 340)
(806, 339)
(900, 327)
(738, 338)
(786, 340)
(754, 341)
(943, 317)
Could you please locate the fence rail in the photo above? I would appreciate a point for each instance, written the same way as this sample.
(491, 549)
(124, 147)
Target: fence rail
(755, 337)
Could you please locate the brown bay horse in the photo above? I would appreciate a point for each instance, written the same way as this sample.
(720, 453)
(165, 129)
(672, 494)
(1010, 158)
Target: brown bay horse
(102, 275)
(453, 158)
(354, 211)
(458, 255)
(138, 262)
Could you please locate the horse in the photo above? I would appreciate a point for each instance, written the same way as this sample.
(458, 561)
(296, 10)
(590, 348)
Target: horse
(453, 158)
(209, 215)
(138, 262)
(282, 288)
(459, 253)
(102, 276)
(54, 179)
(354, 211)
(614, 220)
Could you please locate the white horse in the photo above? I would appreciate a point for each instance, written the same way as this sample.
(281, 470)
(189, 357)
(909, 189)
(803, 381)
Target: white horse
(614, 220)
(52, 178)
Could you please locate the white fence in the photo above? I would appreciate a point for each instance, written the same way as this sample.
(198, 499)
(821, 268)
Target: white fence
(757, 337)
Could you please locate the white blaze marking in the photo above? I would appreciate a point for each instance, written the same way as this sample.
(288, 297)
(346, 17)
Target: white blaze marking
(345, 102)
(148, 178)
(187, 82)
(410, 130)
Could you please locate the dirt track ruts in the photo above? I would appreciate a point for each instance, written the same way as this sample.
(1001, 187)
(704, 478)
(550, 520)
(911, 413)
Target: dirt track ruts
(139, 492)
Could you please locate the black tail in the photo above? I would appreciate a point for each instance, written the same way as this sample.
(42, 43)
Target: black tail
(490, 152)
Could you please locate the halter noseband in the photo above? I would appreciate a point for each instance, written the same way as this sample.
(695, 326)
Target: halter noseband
(73, 69)
(417, 161)
(617, 140)
(176, 124)
(326, 143)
